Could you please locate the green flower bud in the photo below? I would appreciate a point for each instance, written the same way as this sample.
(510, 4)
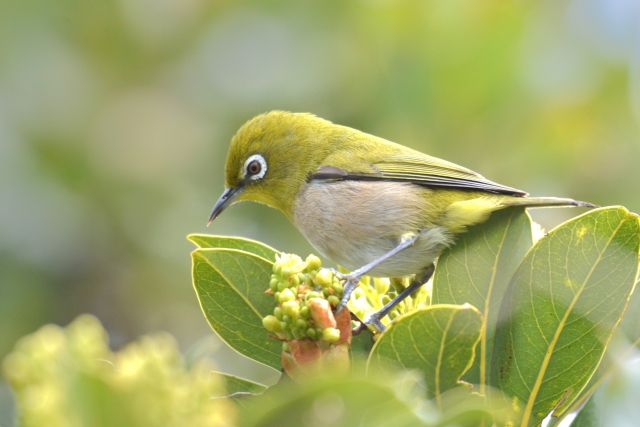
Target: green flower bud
(337, 287)
(393, 314)
(398, 284)
(273, 285)
(330, 334)
(333, 300)
(313, 262)
(381, 285)
(294, 280)
(272, 324)
(304, 311)
(276, 296)
(278, 313)
(281, 286)
(291, 309)
(297, 333)
(312, 294)
(288, 334)
(325, 292)
(311, 333)
(324, 277)
(277, 268)
(302, 324)
(285, 347)
(386, 299)
(285, 272)
(284, 325)
(286, 319)
(286, 295)
(318, 333)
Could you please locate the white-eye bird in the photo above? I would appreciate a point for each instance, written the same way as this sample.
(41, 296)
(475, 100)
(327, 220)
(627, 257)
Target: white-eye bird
(372, 206)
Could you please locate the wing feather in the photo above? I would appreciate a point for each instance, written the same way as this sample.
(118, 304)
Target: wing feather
(421, 169)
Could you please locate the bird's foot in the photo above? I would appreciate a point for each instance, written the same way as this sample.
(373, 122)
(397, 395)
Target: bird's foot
(351, 281)
(376, 320)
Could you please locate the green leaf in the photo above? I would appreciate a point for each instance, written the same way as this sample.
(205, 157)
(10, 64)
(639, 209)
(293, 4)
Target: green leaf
(630, 324)
(362, 343)
(438, 340)
(240, 385)
(590, 415)
(206, 241)
(330, 401)
(477, 270)
(620, 350)
(230, 285)
(562, 306)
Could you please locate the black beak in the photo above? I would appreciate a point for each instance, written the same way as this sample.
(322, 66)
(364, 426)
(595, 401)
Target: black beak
(224, 201)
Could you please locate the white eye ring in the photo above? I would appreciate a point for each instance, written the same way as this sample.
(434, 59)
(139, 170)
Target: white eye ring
(263, 167)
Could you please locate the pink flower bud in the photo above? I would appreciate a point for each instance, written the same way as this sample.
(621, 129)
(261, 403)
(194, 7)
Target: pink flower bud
(321, 313)
(336, 360)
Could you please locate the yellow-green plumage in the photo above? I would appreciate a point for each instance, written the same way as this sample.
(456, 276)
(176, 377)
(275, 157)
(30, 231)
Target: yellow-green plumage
(355, 196)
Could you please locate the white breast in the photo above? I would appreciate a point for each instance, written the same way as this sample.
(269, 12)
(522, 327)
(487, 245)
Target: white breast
(355, 222)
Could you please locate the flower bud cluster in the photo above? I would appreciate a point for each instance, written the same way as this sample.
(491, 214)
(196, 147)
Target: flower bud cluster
(49, 369)
(377, 292)
(305, 294)
(313, 336)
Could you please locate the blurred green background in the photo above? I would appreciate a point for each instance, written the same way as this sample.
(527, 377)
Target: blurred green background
(116, 115)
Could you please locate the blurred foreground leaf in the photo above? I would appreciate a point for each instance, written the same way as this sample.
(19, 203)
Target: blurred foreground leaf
(477, 270)
(240, 385)
(205, 241)
(230, 286)
(439, 341)
(336, 402)
(590, 415)
(564, 302)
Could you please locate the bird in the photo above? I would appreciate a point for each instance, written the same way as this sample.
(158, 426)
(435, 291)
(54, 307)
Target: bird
(375, 207)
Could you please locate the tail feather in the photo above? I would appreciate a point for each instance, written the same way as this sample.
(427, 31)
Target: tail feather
(460, 215)
(544, 202)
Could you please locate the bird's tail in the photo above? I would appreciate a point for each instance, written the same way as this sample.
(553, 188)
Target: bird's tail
(460, 215)
(544, 202)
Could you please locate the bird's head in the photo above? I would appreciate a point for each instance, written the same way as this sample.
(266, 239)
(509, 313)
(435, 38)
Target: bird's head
(271, 157)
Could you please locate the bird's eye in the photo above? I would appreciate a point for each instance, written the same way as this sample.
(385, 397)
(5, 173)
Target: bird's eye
(255, 167)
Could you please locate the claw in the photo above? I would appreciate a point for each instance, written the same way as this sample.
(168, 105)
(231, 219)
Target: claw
(339, 275)
(375, 321)
(348, 288)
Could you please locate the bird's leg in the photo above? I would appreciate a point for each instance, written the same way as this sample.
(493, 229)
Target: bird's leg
(375, 318)
(352, 279)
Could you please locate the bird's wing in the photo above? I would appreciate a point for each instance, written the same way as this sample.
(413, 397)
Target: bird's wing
(420, 169)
